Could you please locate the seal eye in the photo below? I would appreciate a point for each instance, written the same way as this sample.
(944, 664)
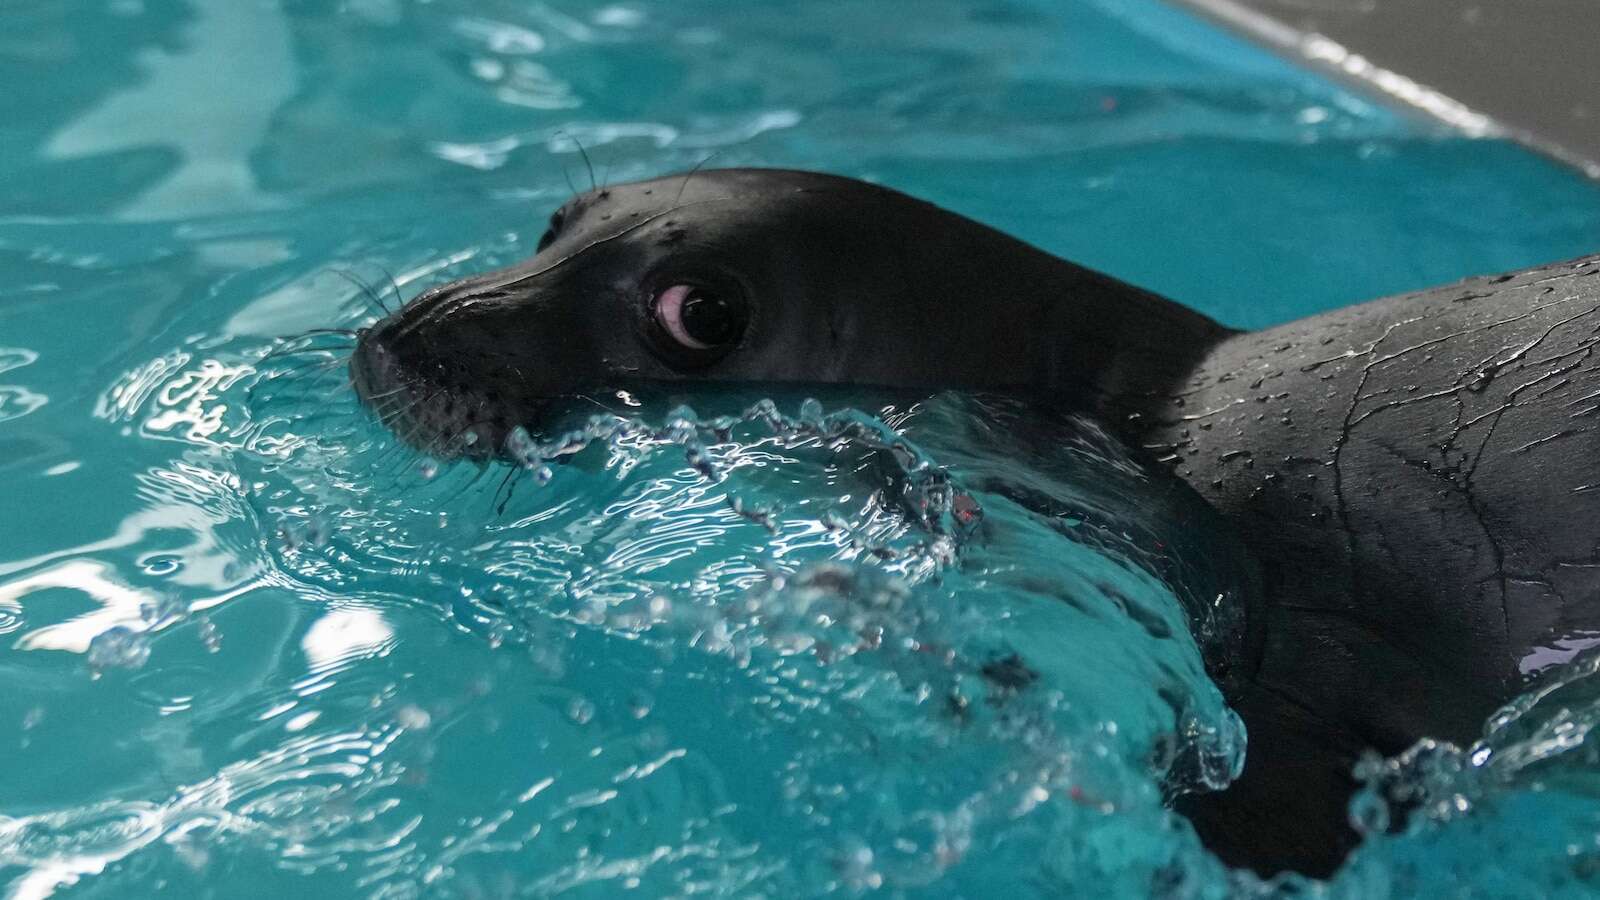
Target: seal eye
(697, 319)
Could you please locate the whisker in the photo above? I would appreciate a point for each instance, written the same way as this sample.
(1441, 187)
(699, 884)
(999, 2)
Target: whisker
(365, 289)
(320, 366)
(586, 163)
(416, 425)
(416, 399)
(314, 365)
(603, 407)
(292, 351)
(387, 476)
(389, 393)
(388, 410)
(399, 298)
(570, 186)
(346, 332)
(696, 168)
(443, 440)
(318, 371)
(474, 420)
(507, 485)
(333, 395)
(400, 449)
(385, 455)
(463, 489)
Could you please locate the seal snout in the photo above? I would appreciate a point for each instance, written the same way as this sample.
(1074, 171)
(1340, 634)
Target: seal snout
(372, 366)
(426, 403)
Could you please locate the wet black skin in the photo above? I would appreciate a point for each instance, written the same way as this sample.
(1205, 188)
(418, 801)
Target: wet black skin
(1417, 477)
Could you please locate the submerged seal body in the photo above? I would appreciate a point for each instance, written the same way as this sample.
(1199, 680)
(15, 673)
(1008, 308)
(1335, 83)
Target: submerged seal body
(1418, 476)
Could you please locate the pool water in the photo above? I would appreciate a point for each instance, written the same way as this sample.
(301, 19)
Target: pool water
(932, 647)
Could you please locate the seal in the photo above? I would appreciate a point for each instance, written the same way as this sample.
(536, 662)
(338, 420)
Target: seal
(1417, 476)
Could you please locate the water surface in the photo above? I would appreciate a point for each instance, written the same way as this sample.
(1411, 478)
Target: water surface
(253, 648)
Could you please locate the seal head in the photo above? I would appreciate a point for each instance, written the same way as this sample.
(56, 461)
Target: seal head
(751, 275)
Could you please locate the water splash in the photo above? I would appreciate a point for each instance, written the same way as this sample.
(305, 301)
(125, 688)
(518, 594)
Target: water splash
(879, 569)
(1515, 813)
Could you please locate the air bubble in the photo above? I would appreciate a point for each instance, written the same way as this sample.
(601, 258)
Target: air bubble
(161, 610)
(118, 648)
(161, 564)
(413, 717)
(639, 704)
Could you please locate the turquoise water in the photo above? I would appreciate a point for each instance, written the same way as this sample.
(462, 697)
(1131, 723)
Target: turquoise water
(251, 648)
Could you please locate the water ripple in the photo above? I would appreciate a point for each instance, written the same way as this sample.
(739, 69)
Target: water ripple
(709, 132)
(16, 402)
(266, 798)
(16, 358)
